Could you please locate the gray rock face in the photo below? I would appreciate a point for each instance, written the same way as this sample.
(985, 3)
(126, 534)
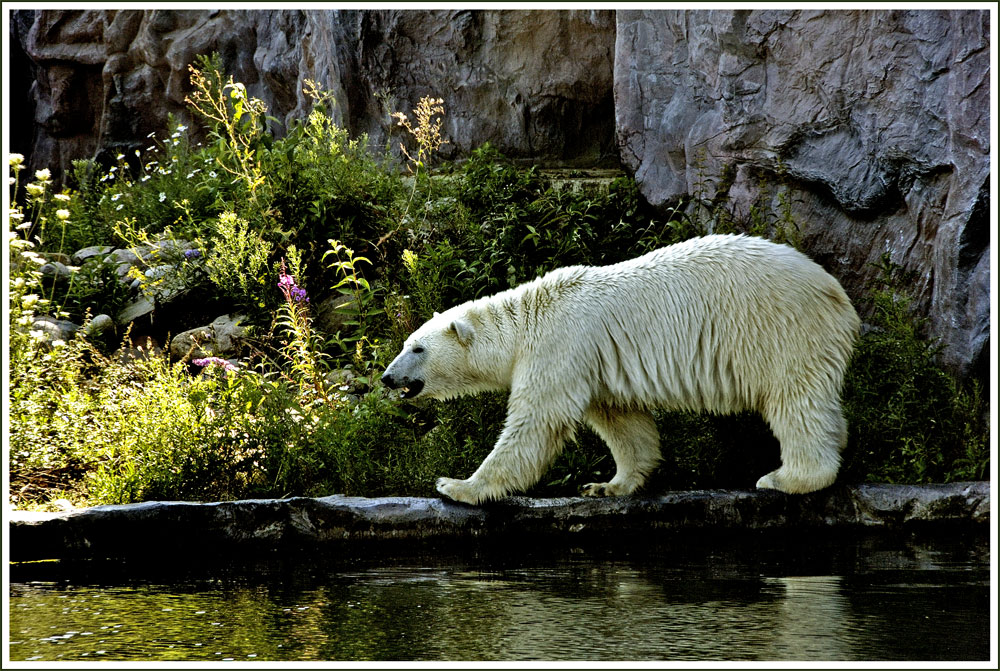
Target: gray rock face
(878, 122)
(536, 84)
(875, 124)
(336, 521)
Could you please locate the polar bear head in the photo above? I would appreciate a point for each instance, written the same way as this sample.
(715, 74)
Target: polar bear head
(454, 353)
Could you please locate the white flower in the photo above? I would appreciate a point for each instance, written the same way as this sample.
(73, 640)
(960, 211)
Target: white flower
(37, 335)
(35, 189)
(144, 178)
(153, 134)
(28, 300)
(18, 283)
(212, 174)
(56, 344)
(64, 197)
(43, 175)
(182, 128)
(15, 215)
(175, 135)
(119, 157)
(16, 159)
(62, 214)
(11, 181)
(119, 207)
(113, 168)
(116, 197)
(137, 153)
(163, 196)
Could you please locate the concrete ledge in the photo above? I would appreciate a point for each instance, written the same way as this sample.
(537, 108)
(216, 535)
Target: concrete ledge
(262, 526)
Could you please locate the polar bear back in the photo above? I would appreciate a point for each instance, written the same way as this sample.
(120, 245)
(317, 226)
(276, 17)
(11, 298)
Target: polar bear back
(720, 323)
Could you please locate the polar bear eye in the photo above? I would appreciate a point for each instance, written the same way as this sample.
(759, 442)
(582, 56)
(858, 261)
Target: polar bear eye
(418, 350)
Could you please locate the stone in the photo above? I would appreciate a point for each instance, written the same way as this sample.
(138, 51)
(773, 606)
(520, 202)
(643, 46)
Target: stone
(55, 270)
(137, 309)
(99, 325)
(54, 329)
(341, 523)
(220, 338)
(82, 255)
(873, 124)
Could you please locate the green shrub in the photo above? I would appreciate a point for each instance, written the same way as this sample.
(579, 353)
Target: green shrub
(908, 421)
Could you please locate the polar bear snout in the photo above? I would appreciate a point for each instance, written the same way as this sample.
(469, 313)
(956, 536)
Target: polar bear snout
(409, 387)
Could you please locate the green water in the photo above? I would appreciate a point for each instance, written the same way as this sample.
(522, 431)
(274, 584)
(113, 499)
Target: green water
(807, 598)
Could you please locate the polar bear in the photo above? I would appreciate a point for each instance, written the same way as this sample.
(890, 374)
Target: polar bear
(720, 323)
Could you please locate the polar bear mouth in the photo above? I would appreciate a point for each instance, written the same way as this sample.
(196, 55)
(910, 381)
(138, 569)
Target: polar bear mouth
(411, 389)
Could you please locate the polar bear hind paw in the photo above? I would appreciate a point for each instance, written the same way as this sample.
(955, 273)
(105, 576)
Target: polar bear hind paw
(781, 482)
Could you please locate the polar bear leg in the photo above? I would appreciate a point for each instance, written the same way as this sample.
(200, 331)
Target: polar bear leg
(812, 435)
(635, 446)
(526, 447)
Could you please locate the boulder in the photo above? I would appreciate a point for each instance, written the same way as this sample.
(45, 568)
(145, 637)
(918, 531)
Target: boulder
(80, 256)
(56, 271)
(219, 339)
(136, 310)
(99, 325)
(53, 329)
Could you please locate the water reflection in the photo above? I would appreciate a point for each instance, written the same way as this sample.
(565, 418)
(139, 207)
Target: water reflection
(801, 601)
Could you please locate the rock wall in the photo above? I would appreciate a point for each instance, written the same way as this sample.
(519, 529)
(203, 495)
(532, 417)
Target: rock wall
(874, 123)
(877, 122)
(536, 84)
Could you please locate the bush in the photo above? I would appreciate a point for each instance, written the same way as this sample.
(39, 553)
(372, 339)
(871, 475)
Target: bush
(908, 421)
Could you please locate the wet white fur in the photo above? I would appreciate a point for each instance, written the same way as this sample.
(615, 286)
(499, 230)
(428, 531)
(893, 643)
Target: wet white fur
(720, 323)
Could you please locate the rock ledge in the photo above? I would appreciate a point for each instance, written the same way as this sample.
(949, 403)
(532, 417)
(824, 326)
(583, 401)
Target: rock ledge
(261, 526)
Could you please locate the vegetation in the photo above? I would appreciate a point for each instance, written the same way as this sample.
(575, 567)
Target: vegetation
(278, 227)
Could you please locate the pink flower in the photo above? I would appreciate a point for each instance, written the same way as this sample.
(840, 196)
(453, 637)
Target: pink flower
(214, 361)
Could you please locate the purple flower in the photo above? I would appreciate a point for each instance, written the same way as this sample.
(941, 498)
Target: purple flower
(292, 292)
(214, 361)
(192, 253)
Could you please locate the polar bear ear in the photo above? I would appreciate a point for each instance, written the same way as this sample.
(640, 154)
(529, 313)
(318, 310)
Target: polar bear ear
(437, 314)
(463, 330)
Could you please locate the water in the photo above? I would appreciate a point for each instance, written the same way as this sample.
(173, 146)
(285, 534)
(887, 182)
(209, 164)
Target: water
(753, 598)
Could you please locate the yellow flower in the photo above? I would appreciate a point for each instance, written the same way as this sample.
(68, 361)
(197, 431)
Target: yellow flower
(62, 214)
(43, 175)
(16, 160)
(410, 260)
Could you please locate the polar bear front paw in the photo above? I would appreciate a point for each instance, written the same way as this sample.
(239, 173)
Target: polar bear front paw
(598, 489)
(459, 490)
